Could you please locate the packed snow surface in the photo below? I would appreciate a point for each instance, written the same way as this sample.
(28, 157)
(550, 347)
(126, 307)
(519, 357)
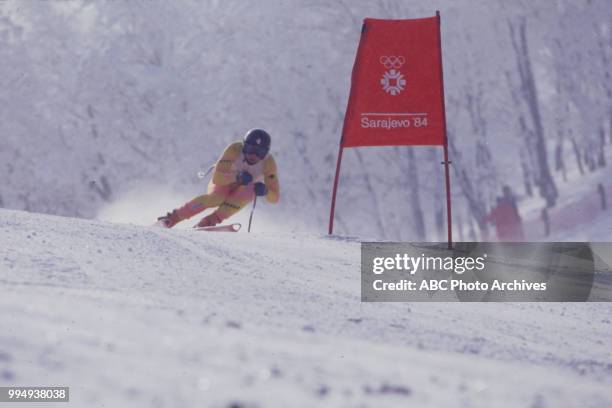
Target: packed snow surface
(133, 316)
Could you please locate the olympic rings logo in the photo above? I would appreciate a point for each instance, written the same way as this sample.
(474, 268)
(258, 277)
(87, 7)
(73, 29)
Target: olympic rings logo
(392, 61)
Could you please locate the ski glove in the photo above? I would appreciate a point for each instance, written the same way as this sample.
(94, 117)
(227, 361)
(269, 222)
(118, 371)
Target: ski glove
(260, 189)
(244, 178)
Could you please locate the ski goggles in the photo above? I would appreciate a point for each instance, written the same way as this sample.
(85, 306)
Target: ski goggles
(259, 151)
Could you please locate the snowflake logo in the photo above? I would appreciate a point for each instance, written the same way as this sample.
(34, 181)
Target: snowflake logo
(393, 82)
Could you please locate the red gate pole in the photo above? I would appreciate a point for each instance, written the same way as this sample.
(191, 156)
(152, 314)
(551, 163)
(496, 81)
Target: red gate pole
(336, 178)
(449, 218)
(448, 195)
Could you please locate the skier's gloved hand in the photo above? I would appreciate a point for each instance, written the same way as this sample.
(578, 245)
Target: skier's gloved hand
(244, 178)
(260, 189)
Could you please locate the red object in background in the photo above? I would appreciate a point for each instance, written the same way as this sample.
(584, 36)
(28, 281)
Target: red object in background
(508, 224)
(396, 86)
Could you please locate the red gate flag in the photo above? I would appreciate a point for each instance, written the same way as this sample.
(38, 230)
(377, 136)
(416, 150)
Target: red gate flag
(396, 93)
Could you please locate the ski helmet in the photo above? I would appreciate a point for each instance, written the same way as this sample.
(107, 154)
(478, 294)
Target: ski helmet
(256, 141)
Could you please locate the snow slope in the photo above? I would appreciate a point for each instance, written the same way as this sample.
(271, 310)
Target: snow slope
(132, 316)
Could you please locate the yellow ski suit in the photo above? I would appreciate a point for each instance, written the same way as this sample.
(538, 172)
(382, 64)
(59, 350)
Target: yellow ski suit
(225, 193)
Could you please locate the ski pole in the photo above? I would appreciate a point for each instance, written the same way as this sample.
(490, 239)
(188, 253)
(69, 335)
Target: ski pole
(202, 175)
(252, 211)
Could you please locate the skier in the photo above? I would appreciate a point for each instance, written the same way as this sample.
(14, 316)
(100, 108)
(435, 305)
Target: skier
(244, 170)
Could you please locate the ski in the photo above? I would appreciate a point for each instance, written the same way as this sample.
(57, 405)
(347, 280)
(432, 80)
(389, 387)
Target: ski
(224, 228)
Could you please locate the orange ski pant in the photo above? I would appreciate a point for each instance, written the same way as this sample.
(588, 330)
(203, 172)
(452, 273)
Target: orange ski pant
(228, 199)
